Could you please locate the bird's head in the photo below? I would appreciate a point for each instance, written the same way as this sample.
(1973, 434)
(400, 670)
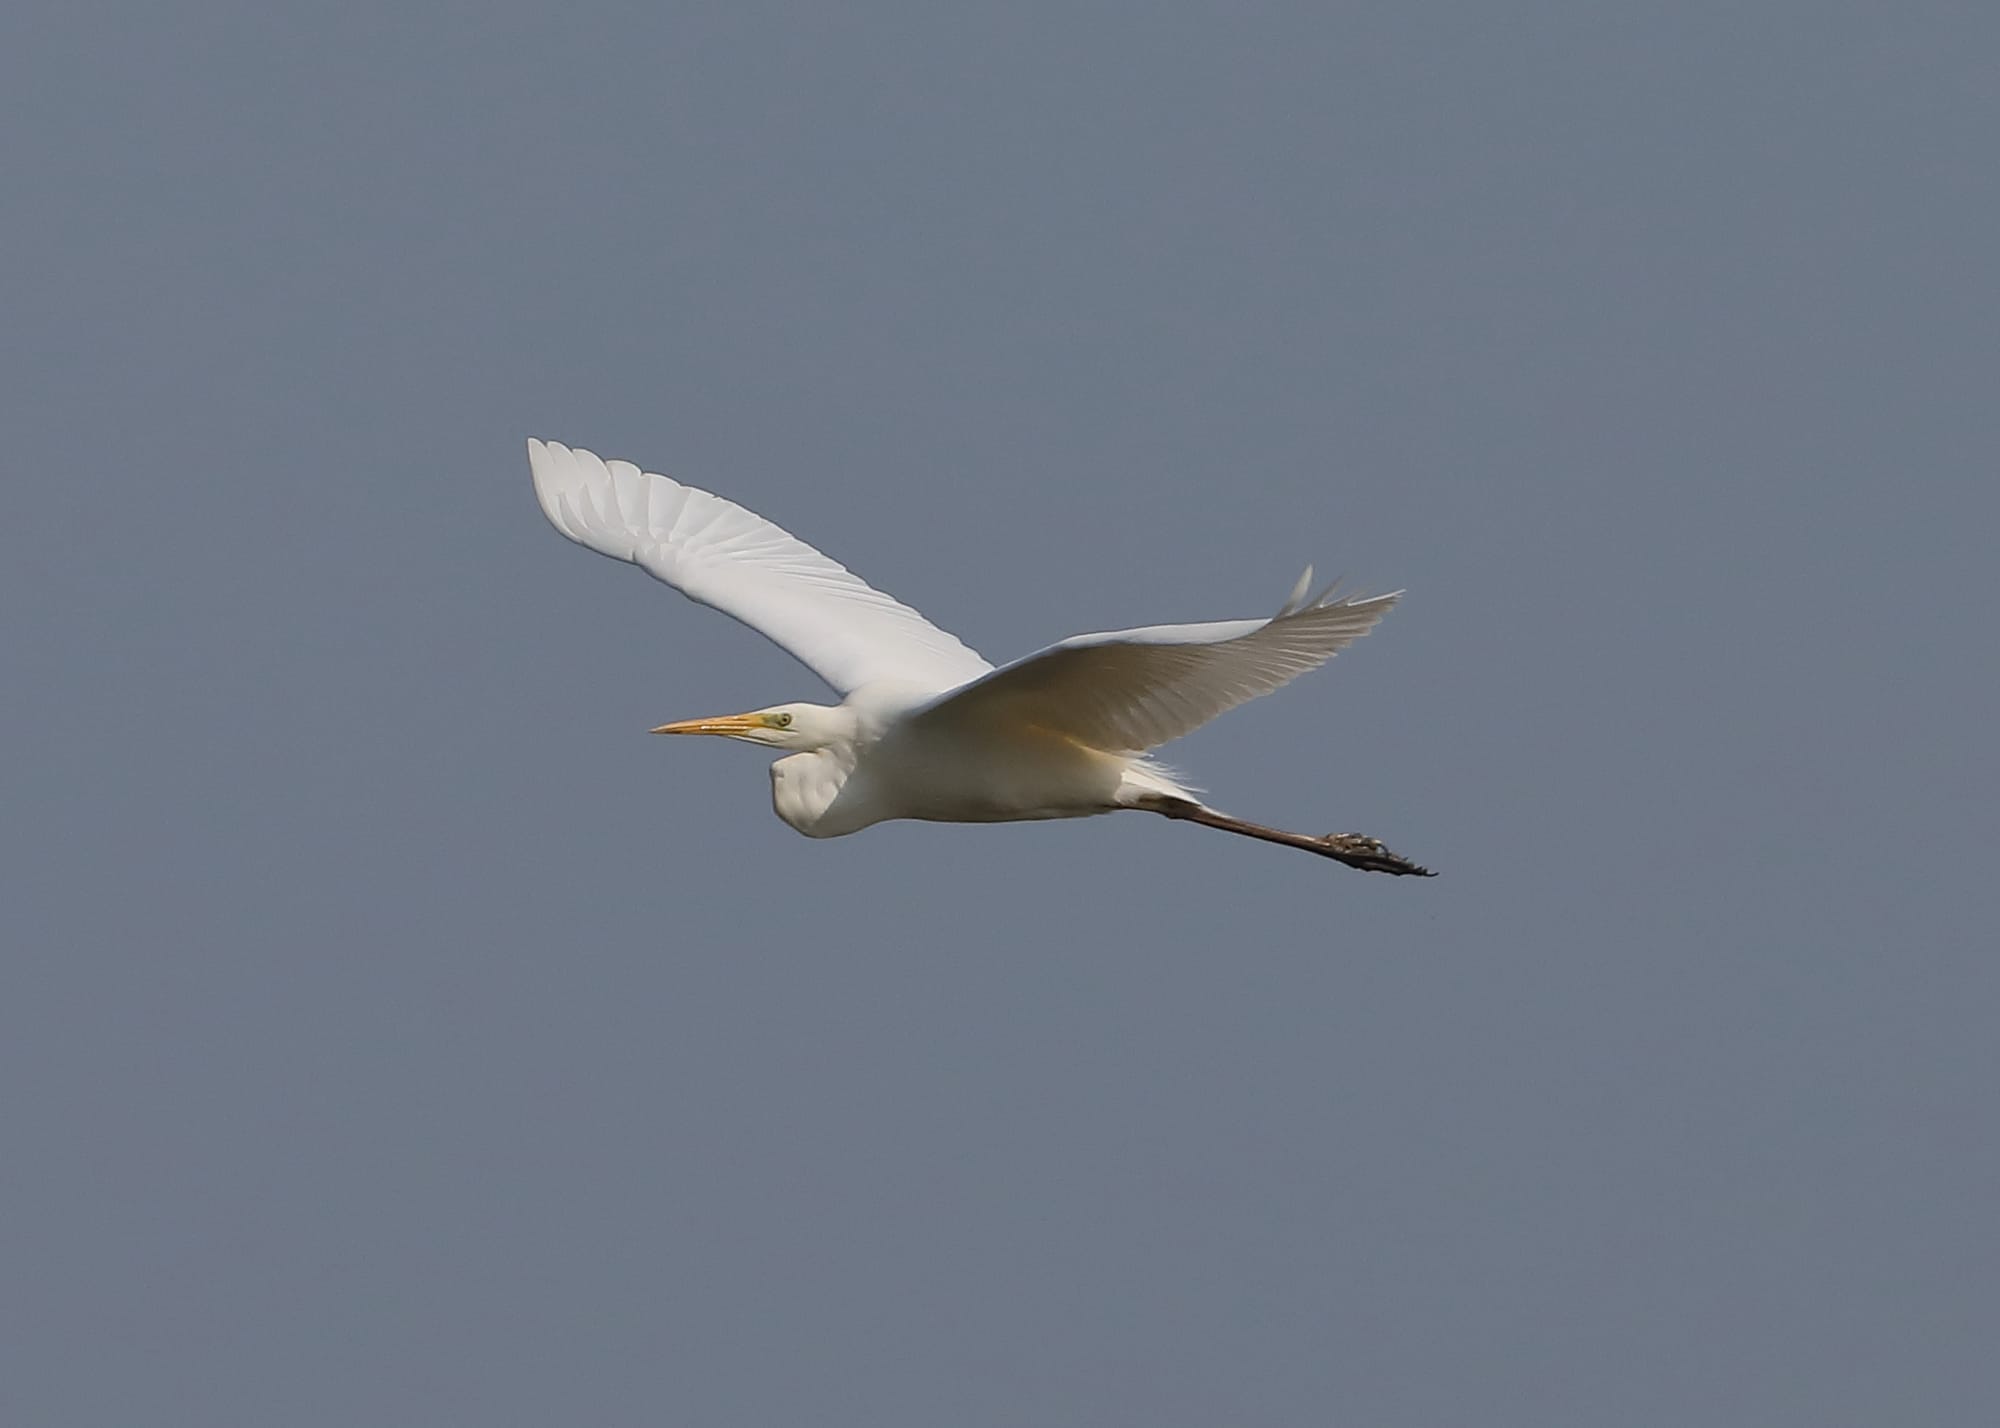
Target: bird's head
(796, 727)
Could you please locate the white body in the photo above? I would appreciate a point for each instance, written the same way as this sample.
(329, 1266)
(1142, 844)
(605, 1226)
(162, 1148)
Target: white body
(901, 764)
(927, 728)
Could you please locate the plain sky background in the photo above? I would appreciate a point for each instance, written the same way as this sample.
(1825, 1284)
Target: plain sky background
(392, 1033)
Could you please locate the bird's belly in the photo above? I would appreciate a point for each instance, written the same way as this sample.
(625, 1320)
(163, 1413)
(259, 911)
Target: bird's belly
(1025, 774)
(946, 777)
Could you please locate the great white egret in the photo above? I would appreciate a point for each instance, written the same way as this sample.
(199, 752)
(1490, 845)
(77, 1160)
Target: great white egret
(927, 729)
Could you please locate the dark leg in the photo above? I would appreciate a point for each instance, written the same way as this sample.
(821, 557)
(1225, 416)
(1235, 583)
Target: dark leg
(1357, 850)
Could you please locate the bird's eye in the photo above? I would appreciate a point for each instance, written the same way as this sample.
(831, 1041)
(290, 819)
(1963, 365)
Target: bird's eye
(783, 721)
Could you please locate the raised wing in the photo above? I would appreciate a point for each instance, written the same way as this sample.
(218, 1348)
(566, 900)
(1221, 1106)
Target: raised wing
(714, 551)
(1129, 690)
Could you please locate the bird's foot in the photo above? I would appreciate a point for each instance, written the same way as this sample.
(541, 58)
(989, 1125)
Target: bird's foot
(1358, 850)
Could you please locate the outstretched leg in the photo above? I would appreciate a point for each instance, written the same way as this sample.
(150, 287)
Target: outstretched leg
(1357, 850)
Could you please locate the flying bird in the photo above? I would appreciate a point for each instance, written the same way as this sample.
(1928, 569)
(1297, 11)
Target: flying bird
(926, 728)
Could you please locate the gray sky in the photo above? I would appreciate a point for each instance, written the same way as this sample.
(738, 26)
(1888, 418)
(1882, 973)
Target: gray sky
(392, 1033)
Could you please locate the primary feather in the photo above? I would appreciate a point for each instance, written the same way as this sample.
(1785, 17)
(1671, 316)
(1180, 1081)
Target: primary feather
(712, 550)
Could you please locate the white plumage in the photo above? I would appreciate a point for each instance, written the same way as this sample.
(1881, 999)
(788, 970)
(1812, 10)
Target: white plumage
(815, 609)
(928, 729)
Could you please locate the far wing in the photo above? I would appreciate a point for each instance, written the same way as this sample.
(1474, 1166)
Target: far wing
(1130, 690)
(714, 551)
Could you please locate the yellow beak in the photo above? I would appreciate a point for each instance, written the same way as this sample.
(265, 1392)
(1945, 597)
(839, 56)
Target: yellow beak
(736, 724)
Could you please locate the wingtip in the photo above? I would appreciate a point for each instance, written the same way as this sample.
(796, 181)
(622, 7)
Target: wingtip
(1329, 597)
(546, 473)
(1296, 601)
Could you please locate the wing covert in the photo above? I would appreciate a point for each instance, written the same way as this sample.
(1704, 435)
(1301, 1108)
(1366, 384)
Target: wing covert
(714, 551)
